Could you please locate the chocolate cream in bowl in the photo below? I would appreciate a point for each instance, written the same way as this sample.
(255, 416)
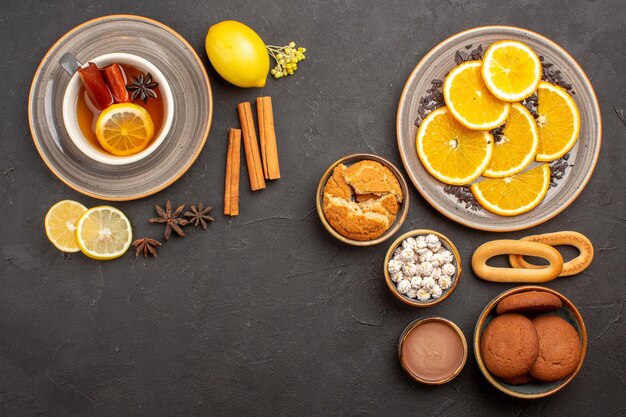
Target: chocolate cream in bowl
(432, 351)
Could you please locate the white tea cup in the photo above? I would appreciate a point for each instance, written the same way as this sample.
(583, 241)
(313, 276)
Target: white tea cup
(70, 118)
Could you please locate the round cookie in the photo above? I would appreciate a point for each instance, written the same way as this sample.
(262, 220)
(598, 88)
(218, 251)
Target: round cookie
(509, 345)
(529, 302)
(559, 349)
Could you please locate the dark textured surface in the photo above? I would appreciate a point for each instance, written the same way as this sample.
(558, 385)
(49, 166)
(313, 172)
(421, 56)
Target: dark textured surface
(266, 314)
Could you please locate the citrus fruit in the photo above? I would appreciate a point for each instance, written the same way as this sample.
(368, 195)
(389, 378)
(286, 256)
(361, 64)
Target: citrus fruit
(558, 121)
(124, 129)
(469, 99)
(517, 147)
(238, 54)
(451, 152)
(60, 224)
(103, 233)
(511, 70)
(513, 195)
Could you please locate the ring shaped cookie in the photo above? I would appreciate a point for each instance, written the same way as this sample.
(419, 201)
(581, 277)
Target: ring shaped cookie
(575, 239)
(488, 250)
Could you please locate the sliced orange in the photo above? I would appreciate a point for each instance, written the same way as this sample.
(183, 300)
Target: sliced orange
(517, 147)
(469, 99)
(513, 195)
(60, 224)
(124, 129)
(558, 121)
(451, 152)
(511, 70)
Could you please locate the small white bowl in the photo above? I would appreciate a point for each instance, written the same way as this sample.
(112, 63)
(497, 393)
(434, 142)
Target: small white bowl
(70, 100)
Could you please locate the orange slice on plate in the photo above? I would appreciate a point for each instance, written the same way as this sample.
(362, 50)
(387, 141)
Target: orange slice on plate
(469, 99)
(517, 147)
(511, 70)
(558, 121)
(513, 195)
(451, 152)
(124, 129)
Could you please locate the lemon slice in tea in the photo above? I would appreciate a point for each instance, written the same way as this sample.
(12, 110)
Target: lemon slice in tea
(124, 129)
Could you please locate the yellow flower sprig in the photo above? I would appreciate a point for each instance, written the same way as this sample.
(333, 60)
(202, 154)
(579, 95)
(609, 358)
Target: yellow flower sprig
(286, 57)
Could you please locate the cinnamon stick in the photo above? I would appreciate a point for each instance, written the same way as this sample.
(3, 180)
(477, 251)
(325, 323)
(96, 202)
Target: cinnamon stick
(262, 138)
(269, 150)
(233, 166)
(236, 168)
(97, 89)
(251, 147)
(114, 78)
(228, 178)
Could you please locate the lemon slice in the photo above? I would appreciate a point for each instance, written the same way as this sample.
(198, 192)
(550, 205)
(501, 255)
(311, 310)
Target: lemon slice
(558, 121)
(517, 147)
(513, 195)
(60, 224)
(469, 99)
(103, 233)
(511, 70)
(124, 129)
(451, 152)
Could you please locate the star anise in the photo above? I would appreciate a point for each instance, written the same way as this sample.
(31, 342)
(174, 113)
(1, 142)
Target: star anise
(199, 216)
(142, 86)
(147, 246)
(171, 219)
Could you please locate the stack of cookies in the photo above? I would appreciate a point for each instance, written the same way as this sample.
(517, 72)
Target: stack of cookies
(526, 343)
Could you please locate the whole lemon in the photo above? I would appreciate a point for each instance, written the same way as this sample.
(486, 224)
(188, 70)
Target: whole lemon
(238, 54)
